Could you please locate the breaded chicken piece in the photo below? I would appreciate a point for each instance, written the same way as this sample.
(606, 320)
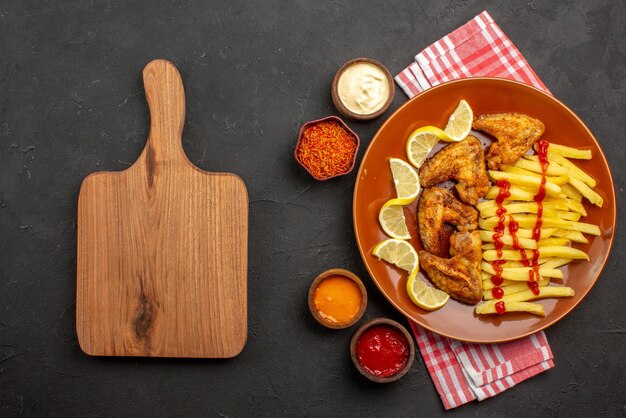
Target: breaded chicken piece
(515, 134)
(463, 161)
(436, 209)
(458, 276)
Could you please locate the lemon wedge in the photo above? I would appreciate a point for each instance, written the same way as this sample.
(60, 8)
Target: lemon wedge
(397, 252)
(421, 143)
(391, 218)
(422, 140)
(424, 296)
(460, 122)
(405, 180)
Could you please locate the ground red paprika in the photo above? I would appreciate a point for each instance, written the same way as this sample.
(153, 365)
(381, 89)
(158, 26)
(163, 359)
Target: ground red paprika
(327, 149)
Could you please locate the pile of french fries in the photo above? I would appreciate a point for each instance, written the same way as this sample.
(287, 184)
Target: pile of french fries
(566, 185)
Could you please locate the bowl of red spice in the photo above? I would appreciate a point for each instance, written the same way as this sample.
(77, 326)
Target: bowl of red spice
(382, 350)
(327, 148)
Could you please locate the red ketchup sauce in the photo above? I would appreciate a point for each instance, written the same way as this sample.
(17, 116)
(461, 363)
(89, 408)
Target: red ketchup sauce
(497, 279)
(542, 154)
(534, 287)
(497, 292)
(500, 308)
(382, 350)
(503, 193)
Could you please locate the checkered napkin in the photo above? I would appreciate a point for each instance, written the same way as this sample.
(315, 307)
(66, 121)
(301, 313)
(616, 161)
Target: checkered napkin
(478, 48)
(461, 371)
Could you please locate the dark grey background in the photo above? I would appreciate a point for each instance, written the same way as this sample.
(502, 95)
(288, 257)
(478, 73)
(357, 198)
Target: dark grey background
(71, 102)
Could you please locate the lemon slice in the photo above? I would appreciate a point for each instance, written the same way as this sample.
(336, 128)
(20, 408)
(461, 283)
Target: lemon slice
(460, 122)
(424, 296)
(391, 218)
(421, 143)
(397, 252)
(405, 179)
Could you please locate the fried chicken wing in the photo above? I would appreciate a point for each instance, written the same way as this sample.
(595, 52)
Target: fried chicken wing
(463, 161)
(458, 276)
(436, 209)
(515, 134)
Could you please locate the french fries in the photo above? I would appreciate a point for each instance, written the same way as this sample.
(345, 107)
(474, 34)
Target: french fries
(586, 191)
(572, 205)
(572, 168)
(512, 263)
(568, 216)
(528, 221)
(535, 166)
(544, 292)
(551, 242)
(489, 208)
(487, 236)
(560, 180)
(488, 284)
(566, 186)
(574, 236)
(525, 243)
(524, 180)
(518, 302)
(556, 262)
(572, 193)
(516, 288)
(521, 273)
(487, 307)
(517, 193)
(528, 244)
(569, 152)
(552, 251)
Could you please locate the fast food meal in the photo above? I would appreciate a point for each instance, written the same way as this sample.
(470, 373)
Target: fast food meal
(515, 218)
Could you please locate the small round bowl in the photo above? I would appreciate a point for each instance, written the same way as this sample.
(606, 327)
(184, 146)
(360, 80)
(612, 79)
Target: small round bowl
(343, 109)
(314, 122)
(355, 359)
(337, 272)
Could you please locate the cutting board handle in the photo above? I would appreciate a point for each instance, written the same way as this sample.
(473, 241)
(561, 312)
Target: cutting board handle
(166, 99)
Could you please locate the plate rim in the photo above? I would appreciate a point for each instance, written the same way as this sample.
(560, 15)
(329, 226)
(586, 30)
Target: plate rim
(611, 193)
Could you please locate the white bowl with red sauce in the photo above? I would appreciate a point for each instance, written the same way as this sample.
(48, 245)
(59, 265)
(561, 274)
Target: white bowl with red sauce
(382, 350)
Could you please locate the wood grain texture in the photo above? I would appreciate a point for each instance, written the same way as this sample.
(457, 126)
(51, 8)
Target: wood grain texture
(162, 247)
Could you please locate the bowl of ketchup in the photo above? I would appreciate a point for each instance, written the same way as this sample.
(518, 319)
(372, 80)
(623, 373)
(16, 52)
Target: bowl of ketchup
(382, 350)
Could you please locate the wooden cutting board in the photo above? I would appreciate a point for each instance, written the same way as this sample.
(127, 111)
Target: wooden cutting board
(162, 247)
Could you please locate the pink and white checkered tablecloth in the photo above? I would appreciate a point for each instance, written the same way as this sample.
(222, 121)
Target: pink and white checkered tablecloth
(463, 372)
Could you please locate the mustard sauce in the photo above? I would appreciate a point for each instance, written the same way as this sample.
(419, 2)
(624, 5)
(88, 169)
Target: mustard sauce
(338, 299)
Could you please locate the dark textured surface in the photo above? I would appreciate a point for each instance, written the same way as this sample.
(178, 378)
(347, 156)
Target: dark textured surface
(71, 102)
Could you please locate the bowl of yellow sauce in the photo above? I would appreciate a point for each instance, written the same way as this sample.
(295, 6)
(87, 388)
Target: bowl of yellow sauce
(337, 298)
(362, 89)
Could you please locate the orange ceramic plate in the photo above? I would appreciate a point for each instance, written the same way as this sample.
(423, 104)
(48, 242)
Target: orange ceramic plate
(374, 187)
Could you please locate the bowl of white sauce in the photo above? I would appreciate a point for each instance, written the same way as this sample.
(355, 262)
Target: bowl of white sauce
(362, 89)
